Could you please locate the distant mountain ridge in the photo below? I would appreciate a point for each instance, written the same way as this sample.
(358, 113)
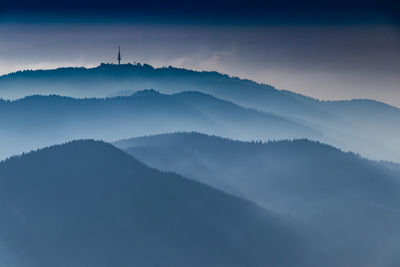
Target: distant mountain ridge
(351, 125)
(37, 121)
(106, 79)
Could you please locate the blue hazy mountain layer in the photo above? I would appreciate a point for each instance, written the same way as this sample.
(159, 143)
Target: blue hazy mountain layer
(87, 203)
(390, 165)
(354, 203)
(38, 121)
(351, 125)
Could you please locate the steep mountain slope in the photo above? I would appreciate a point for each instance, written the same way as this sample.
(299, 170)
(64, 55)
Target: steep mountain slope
(345, 124)
(354, 203)
(87, 203)
(38, 121)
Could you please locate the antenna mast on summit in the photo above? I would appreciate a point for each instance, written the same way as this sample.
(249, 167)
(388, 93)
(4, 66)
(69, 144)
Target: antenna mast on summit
(119, 56)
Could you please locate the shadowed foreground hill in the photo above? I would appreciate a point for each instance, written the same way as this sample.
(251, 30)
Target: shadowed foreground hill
(87, 203)
(353, 202)
(38, 121)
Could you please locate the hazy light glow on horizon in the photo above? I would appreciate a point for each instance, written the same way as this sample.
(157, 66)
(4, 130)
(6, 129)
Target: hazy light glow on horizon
(327, 62)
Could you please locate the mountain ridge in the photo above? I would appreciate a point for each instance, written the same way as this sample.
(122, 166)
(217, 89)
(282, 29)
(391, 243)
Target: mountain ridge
(347, 199)
(146, 67)
(352, 125)
(87, 203)
(56, 119)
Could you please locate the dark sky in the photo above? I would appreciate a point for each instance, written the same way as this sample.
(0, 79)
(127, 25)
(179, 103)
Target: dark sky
(256, 11)
(326, 49)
